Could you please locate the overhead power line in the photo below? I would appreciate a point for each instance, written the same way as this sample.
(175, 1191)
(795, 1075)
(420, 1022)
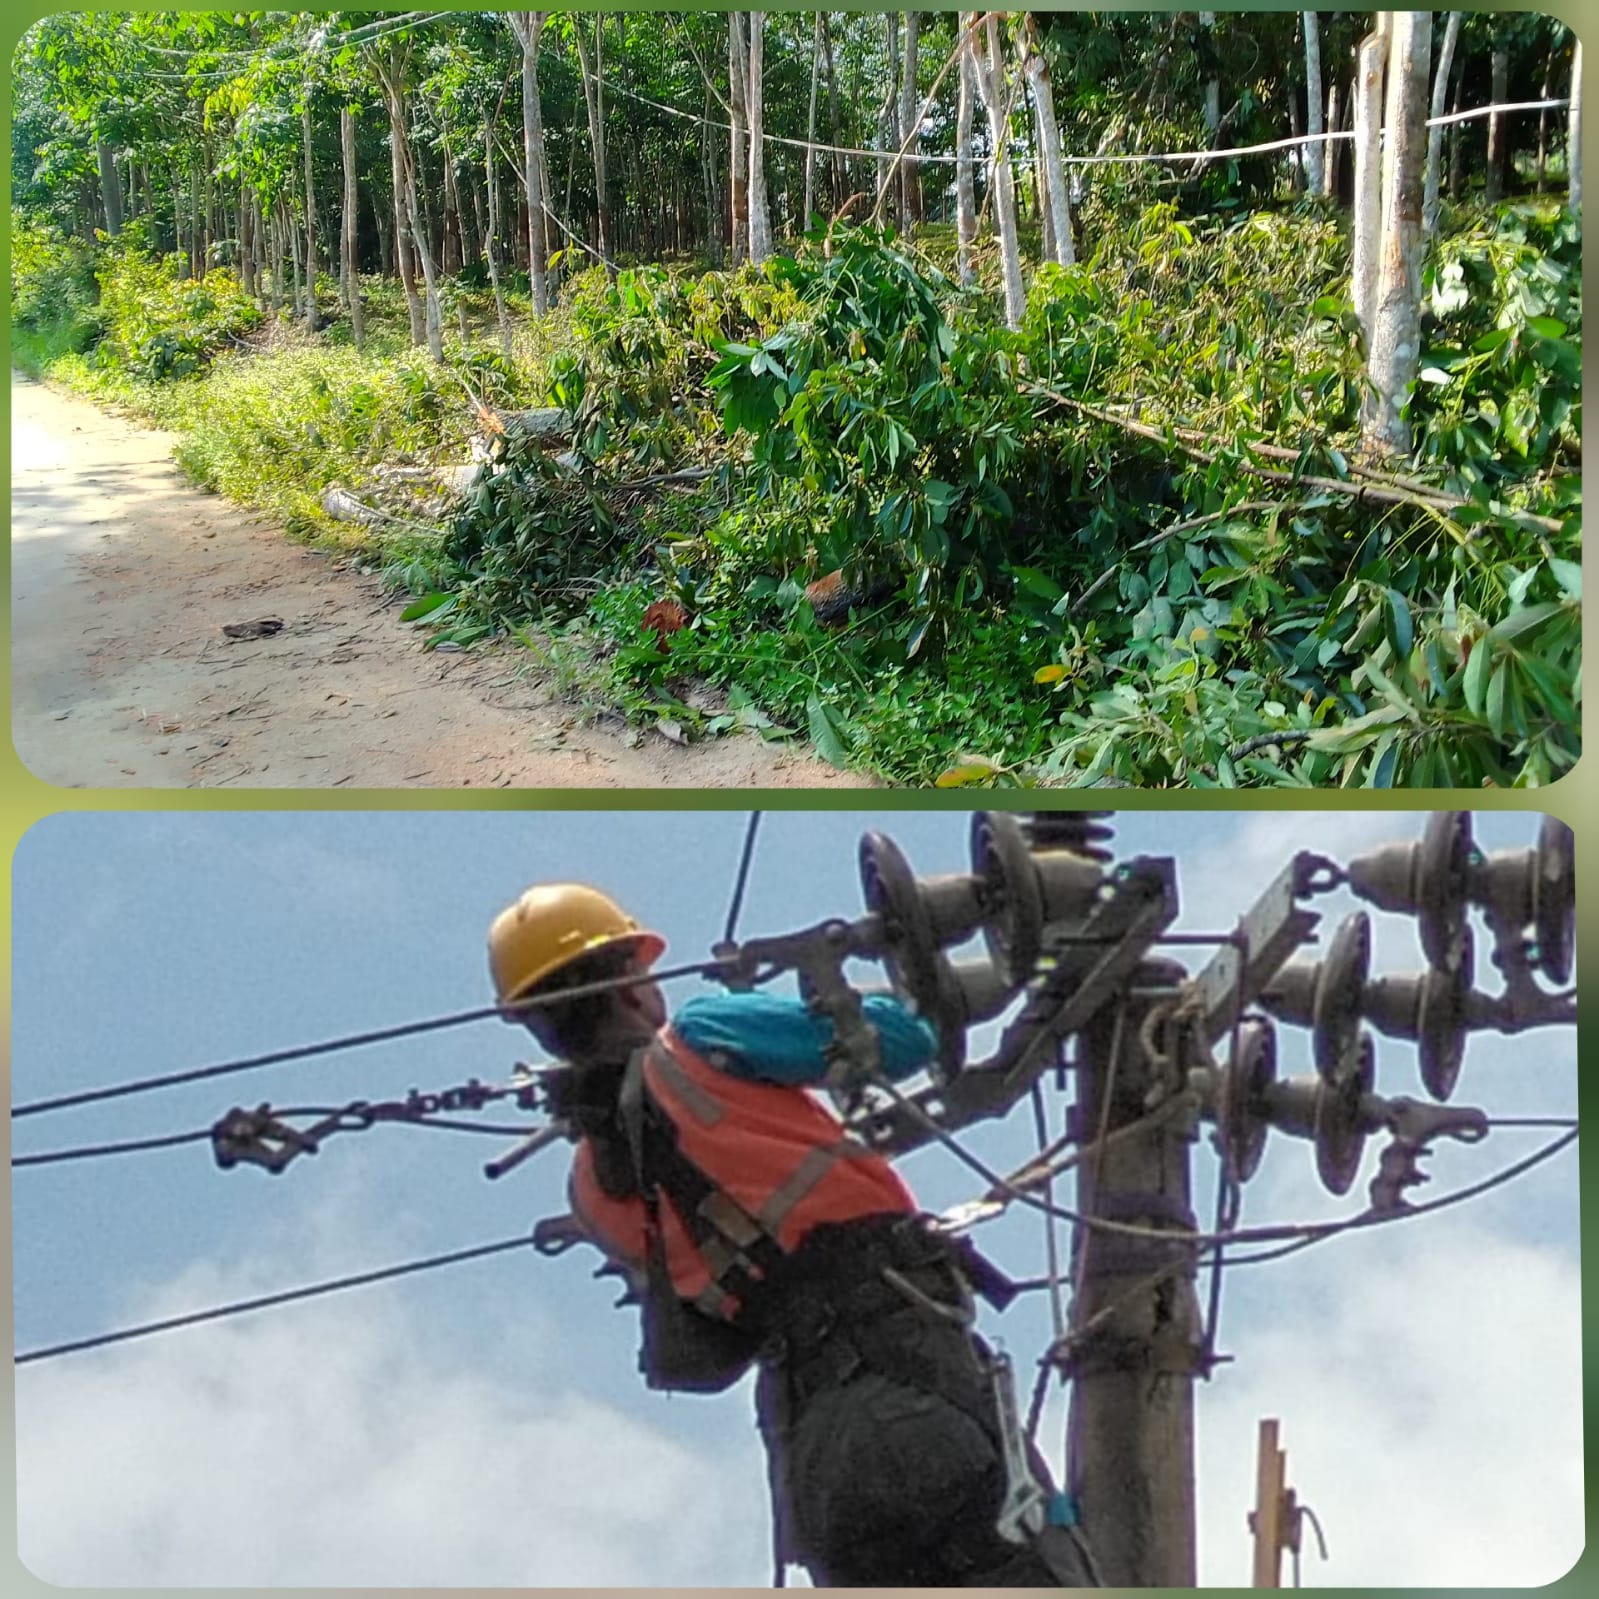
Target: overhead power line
(241, 1307)
(377, 1035)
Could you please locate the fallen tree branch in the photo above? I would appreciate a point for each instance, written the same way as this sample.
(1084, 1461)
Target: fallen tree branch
(1296, 735)
(1160, 538)
(1382, 492)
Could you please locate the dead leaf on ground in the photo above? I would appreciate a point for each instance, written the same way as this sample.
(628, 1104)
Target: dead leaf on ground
(261, 627)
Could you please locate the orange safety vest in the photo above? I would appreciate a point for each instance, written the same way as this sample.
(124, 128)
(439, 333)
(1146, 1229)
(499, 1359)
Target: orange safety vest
(778, 1154)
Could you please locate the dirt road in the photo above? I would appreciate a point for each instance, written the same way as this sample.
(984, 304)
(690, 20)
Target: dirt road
(123, 578)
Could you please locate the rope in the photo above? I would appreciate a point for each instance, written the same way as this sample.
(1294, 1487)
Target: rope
(264, 1301)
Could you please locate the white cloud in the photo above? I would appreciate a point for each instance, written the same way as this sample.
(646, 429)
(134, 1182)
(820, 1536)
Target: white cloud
(342, 1442)
(1431, 1414)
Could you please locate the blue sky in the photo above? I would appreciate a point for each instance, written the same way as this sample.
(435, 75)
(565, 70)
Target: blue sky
(484, 1424)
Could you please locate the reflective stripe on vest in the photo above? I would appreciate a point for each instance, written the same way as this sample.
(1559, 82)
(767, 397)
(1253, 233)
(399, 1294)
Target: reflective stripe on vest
(778, 1154)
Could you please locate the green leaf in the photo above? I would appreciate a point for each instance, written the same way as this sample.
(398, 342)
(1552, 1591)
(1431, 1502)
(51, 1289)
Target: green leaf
(1546, 327)
(1475, 683)
(1522, 621)
(1568, 574)
(1382, 769)
(824, 733)
(1039, 583)
(1495, 707)
(1402, 630)
(972, 769)
(426, 606)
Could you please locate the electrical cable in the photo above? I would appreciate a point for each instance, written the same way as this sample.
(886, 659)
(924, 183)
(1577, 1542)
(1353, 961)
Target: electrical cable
(91, 1151)
(378, 1035)
(1316, 1232)
(1303, 1232)
(171, 1140)
(741, 881)
(264, 1301)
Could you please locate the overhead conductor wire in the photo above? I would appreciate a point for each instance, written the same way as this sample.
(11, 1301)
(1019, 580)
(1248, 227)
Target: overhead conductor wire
(378, 1035)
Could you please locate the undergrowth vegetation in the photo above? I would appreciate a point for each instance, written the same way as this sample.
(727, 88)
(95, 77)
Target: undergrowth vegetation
(1131, 542)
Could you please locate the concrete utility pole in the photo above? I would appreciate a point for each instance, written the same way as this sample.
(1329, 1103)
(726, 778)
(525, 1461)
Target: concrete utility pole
(1135, 1343)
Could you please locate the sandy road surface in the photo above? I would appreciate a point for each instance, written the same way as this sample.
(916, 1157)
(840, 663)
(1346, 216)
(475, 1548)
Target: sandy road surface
(123, 577)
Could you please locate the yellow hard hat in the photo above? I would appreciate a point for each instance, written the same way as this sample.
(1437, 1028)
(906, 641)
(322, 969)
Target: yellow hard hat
(552, 924)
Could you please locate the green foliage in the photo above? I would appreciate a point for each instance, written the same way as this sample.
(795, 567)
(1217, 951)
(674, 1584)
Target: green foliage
(52, 294)
(275, 429)
(159, 324)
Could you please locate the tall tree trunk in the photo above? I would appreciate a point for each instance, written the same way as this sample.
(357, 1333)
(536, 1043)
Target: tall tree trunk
(491, 238)
(350, 236)
(391, 74)
(310, 217)
(835, 161)
(207, 207)
(594, 103)
(268, 223)
(529, 25)
(888, 135)
(1207, 21)
(1372, 59)
(1546, 89)
(293, 235)
(1395, 351)
(419, 237)
(1060, 210)
(1494, 177)
(738, 78)
(965, 189)
(910, 180)
(1315, 151)
(1329, 168)
(196, 267)
(110, 187)
(247, 277)
(991, 80)
(760, 216)
(808, 204)
(715, 246)
(1435, 136)
(450, 249)
(1574, 133)
(1457, 165)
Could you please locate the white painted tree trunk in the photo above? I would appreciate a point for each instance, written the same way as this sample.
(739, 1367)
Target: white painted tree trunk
(1435, 136)
(1371, 61)
(1060, 209)
(1574, 136)
(1395, 350)
(965, 188)
(760, 215)
(992, 80)
(1316, 151)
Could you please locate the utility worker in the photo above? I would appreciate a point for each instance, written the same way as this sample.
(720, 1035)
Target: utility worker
(753, 1230)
